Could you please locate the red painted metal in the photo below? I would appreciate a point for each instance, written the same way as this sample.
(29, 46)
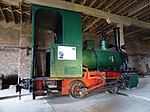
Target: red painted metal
(90, 79)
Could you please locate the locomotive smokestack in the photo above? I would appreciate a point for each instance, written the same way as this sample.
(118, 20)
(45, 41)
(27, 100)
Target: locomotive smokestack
(117, 38)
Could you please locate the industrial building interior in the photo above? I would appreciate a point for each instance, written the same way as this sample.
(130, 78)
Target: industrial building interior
(132, 17)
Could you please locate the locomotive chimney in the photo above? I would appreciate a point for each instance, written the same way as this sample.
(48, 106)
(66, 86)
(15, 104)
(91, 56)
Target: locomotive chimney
(117, 38)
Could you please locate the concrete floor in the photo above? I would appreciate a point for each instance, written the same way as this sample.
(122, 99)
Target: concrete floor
(138, 100)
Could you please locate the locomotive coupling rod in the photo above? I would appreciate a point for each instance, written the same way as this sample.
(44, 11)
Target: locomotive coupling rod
(91, 88)
(85, 91)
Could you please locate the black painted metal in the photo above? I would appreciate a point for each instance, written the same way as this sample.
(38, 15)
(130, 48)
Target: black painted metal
(117, 38)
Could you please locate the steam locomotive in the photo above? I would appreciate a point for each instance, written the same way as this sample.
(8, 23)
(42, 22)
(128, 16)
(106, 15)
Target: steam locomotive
(72, 67)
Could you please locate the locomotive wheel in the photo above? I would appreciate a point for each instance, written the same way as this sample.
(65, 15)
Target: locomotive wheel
(76, 88)
(113, 89)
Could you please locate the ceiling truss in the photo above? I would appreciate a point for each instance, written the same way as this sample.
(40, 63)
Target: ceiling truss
(18, 11)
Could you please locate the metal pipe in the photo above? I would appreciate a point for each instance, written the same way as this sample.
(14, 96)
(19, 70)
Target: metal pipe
(117, 38)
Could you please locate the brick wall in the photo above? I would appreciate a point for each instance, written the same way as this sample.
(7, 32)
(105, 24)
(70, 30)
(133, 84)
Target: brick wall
(9, 35)
(139, 54)
(13, 60)
(17, 61)
(24, 54)
(139, 51)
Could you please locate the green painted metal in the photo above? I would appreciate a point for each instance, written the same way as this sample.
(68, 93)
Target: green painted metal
(101, 57)
(88, 44)
(64, 68)
(109, 58)
(88, 58)
(33, 44)
(105, 58)
(67, 26)
(69, 33)
(133, 78)
(72, 37)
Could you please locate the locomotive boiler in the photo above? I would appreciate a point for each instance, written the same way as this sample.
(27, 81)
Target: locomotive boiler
(73, 68)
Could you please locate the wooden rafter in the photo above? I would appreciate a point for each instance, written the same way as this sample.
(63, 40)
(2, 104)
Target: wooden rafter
(105, 7)
(103, 2)
(93, 30)
(12, 2)
(130, 8)
(117, 5)
(93, 2)
(145, 38)
(132, 32)
(110, 4)
(84, 1)
(89, 6)
(12, 13)
(141, 12)
(3, 14)
(146, 17)
(21, 14)
(106, 28)
(72, 1)
(91, 24)
(139, 7)
(126, 6)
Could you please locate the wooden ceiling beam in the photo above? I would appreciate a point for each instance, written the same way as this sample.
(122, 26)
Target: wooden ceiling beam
(132, 32)
(15, 2)
(142, 12)
(96, 27)
(120, 3)
(93, 2)
(89, 6)
(21, 14)
(106, 9)
(84, 1)
(91, 24)
(145, 38)
(17, 10)
(12, 2)
(12, 13)
(110, 4)
(114, 1)
(111, 18)
(72, 1)
(3, 14)
(139, 7)
(128, 4)
(103, 2)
